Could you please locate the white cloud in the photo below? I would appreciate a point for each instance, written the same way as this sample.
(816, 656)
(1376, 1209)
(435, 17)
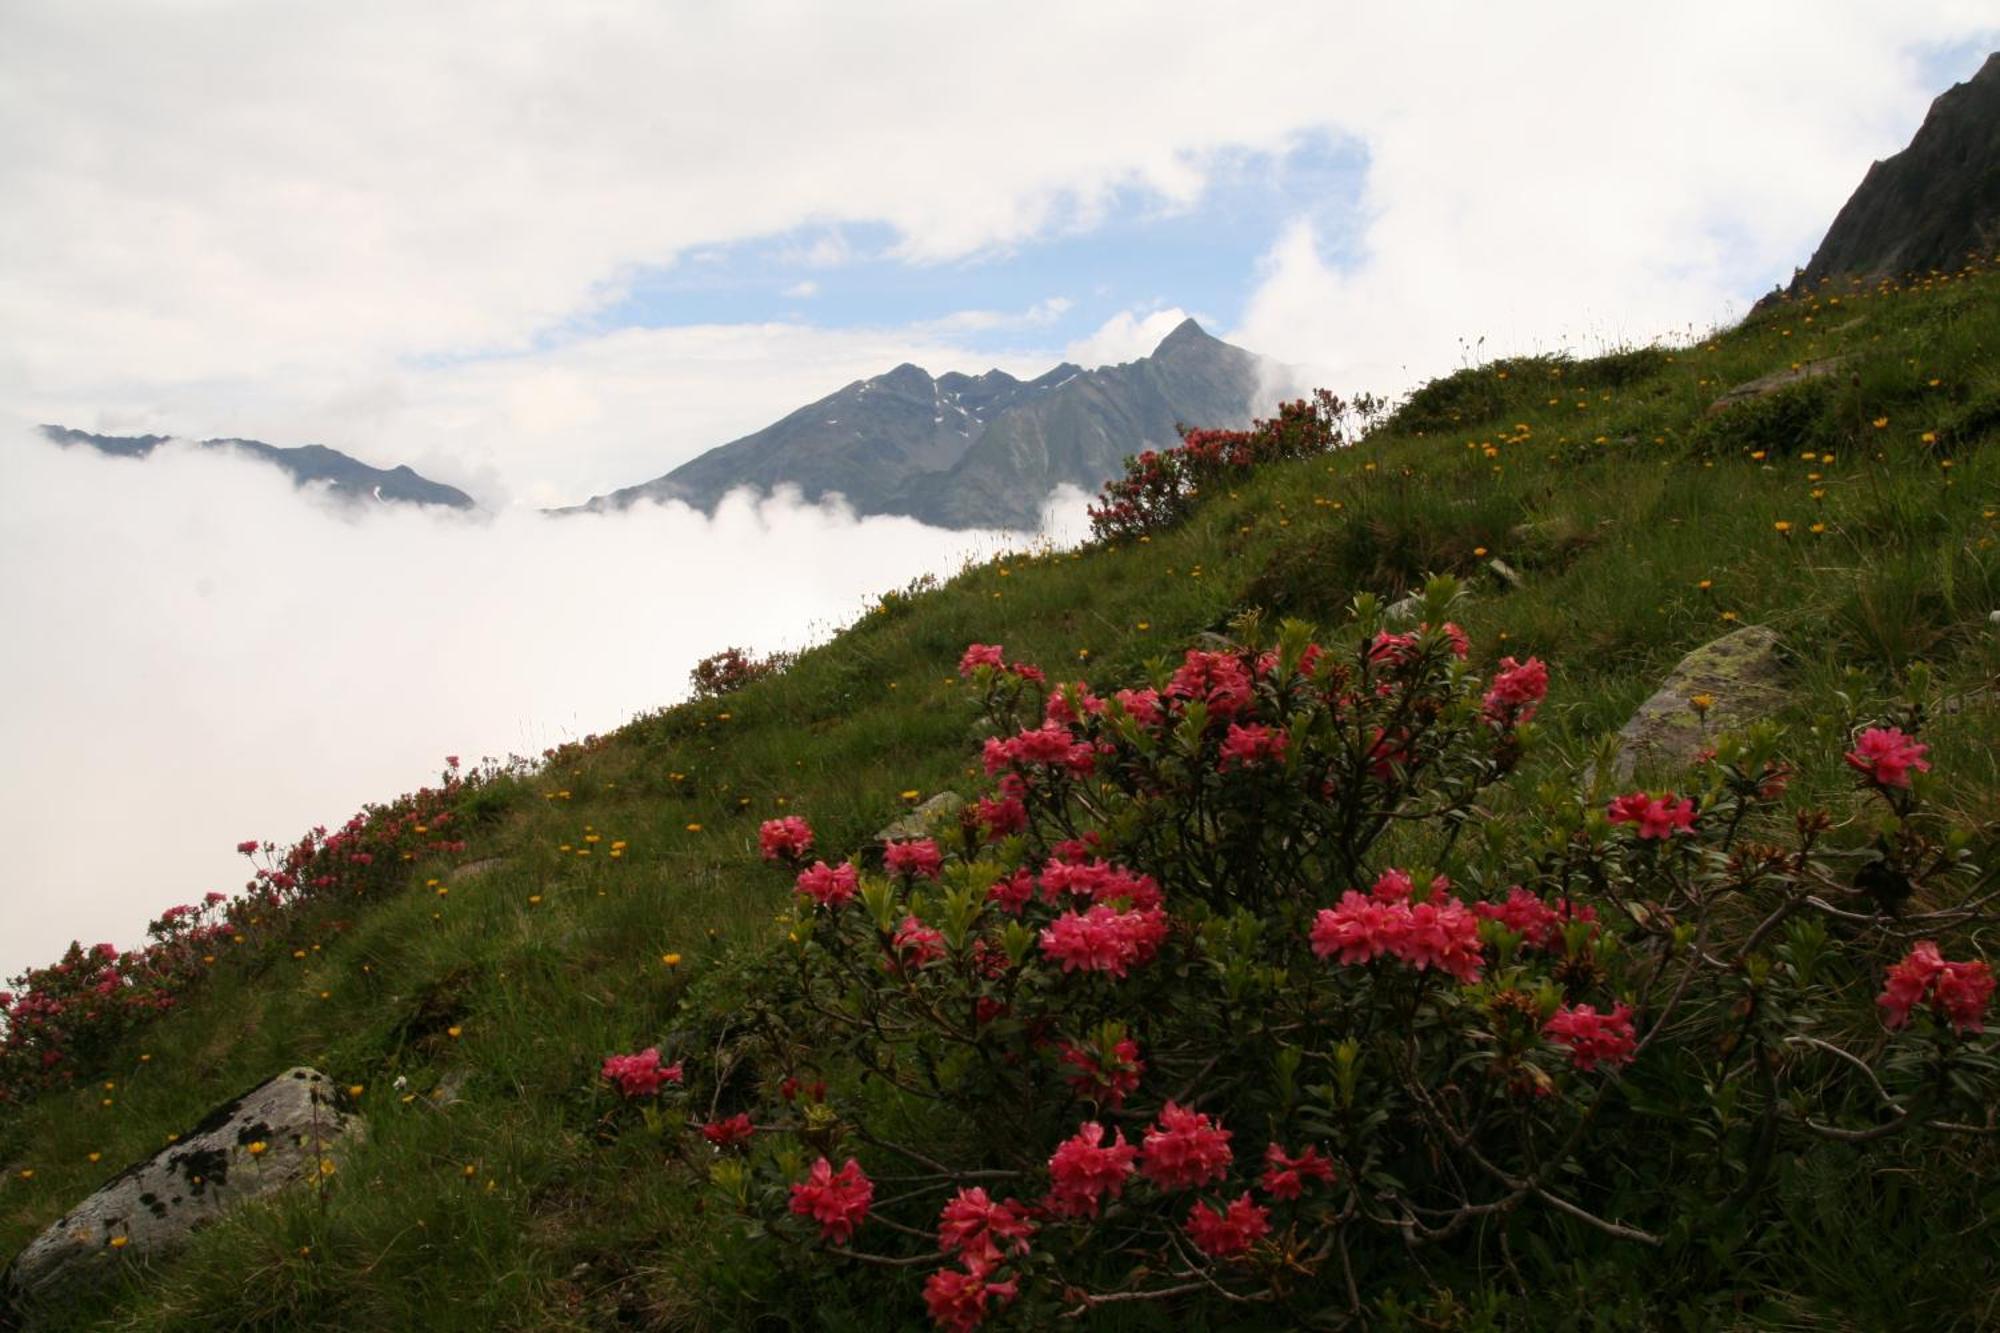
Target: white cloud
(803, 290)
(203, 655)
(1126, 336)
(298, 225)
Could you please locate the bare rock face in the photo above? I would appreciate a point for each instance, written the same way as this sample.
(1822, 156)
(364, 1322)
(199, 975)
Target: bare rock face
(279, 1132)
(1930, 207)
(1741, 672)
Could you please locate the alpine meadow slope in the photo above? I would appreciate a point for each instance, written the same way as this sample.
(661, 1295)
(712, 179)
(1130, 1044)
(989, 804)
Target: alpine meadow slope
(1676, 1055)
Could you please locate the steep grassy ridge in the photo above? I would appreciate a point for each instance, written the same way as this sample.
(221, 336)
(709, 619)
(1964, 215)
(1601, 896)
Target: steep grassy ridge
(1855, 513)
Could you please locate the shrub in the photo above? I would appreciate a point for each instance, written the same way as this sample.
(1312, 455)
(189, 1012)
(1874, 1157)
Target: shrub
(58, 1023)
(1230, 993)
(1161, 487)
(731, 669)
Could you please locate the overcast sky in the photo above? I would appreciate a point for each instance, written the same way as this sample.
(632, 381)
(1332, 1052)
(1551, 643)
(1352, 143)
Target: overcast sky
(543, 251)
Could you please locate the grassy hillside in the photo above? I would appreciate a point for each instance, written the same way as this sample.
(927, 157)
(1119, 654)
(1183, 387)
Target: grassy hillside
(1857, 513)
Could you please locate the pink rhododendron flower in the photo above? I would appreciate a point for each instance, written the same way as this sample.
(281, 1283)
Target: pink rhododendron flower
(1285, 1176)
(1216, 679)
(1085, 1170)
(838, 1201)
(788, 839)
(729, 1133)
(1057, 710)
(1654, 816)
(983, 1233)
(1593, 1038)
(1517, 690)
(1392, 649)
(1014, 893)
(1524, 914)
(829, 886)
(919, 856)
(1231, 1232)
(1461, 645)
(1184, 1148)
(957, 1300)
(1358, 930)
(916, 944)
(998, 817)
(641, 1075)
(1052, 745)
(1393, 886)
(1961, 991)
(247, 846)
(1442, 934)
(1105, 939)
(1886, 755)
(980, 655)
(1100, 881)
(1107, 1076)
(1252, 745)
(1142, 705)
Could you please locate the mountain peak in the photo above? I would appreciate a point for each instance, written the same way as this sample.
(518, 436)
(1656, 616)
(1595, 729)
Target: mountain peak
(1928, 207)
(1187, 333)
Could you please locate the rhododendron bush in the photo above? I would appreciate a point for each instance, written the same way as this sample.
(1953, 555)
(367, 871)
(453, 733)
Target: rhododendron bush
(1253, 982)
(1160, 487)
(57, 1023)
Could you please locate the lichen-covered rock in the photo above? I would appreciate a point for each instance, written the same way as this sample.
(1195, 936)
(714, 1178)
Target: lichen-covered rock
(924, 820)
(471, 870)
(1741, 673)
(1404, 609)
(1766, 385)
(279, 1132)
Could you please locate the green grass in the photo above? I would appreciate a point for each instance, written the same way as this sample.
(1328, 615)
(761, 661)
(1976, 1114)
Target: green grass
(1643, 528)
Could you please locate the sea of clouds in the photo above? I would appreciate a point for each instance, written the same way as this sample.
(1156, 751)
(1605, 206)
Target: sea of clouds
(198, 653)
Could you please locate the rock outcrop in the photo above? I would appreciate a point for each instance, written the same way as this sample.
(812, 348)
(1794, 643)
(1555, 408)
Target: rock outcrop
(286, 1130)
(922, 821)
(1740, 674)
(1930, 207)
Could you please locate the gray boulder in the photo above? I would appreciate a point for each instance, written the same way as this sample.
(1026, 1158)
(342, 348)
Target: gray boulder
(151, 1208)
(1778, 380)
(924, 820)
(1742, 672)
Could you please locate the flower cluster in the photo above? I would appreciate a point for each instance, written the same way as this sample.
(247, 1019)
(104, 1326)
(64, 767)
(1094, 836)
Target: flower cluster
(1886, 756)
(1105, 939)
(787, 839)
(1232, 1231)
(1285, 1176)
(1517, 691)
(1084, 1170)
(1593, 1038)
(1161, 486)
(1185, 1148)
(1653, 816)
(829, 886)
(642, 1074)
(1439, 932)
(837, 1200)
(1959, 992)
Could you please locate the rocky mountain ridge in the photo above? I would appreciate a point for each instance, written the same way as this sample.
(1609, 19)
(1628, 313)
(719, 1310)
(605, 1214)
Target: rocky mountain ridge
(967, 451)
(343, 476)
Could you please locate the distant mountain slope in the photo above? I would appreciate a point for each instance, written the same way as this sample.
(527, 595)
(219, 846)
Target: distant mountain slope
(968, 451)
(1928, 207)
(345, 476)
